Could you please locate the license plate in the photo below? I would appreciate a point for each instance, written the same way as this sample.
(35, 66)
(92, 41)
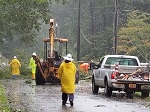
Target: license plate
(132, 85)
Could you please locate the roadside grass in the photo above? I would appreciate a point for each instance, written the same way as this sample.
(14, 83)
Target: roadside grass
(4, 106)
(5, 73)
(138, 94)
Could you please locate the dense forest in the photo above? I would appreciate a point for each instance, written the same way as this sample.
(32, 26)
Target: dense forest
(25, 22)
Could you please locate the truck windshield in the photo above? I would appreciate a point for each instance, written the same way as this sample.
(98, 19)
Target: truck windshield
(121, 61)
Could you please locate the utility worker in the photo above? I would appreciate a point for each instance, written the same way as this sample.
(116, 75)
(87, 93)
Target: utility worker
(15, 67)
(67, 71)
(84, 67)
(32, 65)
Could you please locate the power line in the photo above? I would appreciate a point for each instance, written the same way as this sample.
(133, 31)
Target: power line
(86, 38)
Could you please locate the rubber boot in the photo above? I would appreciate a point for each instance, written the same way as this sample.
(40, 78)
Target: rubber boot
(71, 98)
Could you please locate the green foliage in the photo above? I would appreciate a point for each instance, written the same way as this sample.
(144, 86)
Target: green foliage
(134, 37)
(142, 5)
(25, 72)
(5, 72)
(20, 20)
(4, 107)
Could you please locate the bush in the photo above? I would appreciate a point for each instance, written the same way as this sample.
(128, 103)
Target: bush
(5, 72)
(25, 72)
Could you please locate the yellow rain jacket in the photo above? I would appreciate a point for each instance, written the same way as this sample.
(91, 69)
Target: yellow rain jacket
(67, 73)
(15, 66)
(32, 65)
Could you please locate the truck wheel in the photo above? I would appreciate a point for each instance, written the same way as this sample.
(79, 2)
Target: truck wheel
(77, 77)
(144, 94)
(107, 90)
(39, 80)
(94, 87)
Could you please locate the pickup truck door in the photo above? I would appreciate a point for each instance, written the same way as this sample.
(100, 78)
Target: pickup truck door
(98, 73)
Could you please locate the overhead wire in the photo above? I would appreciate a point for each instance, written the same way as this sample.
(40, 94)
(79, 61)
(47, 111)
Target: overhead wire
(83, 10)
(84, 36)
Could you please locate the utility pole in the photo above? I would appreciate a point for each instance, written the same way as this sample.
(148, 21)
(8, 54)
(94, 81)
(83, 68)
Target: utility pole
(92, 15)
(78, 38)
(92, 22)
(115, 27)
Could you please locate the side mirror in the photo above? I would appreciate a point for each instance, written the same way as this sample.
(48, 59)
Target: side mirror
(143, 64)
(93, 66)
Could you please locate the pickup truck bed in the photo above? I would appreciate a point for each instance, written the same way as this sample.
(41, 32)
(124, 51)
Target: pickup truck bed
(121, 73)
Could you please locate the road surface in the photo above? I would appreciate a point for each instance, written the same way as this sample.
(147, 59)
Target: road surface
(25, 96)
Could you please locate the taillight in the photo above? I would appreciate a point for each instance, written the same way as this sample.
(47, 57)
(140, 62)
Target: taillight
(113, 75)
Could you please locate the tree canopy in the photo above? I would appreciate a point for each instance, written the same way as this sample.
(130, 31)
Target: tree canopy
(21, 19)
(134, 38)
(24, 21)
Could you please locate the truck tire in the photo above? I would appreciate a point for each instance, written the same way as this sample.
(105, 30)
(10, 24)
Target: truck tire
(144, 94)
(107, 90)
(94, 87)
(39, 80)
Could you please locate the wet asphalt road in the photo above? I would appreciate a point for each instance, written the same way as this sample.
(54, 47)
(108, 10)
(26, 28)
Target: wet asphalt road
(27, 97)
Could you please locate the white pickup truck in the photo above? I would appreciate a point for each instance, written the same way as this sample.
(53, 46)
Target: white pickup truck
(121, 73)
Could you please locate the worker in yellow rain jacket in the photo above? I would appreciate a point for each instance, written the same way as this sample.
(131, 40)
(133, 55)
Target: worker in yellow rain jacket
(15, 67)
(67, 71)
(32, 65)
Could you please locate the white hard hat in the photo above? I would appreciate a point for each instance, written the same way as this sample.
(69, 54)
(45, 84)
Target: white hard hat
(34, 54)
(15, 56)
(68, 57)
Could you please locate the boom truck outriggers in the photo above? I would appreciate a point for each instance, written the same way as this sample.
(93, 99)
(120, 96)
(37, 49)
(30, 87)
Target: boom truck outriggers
(46, 71)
